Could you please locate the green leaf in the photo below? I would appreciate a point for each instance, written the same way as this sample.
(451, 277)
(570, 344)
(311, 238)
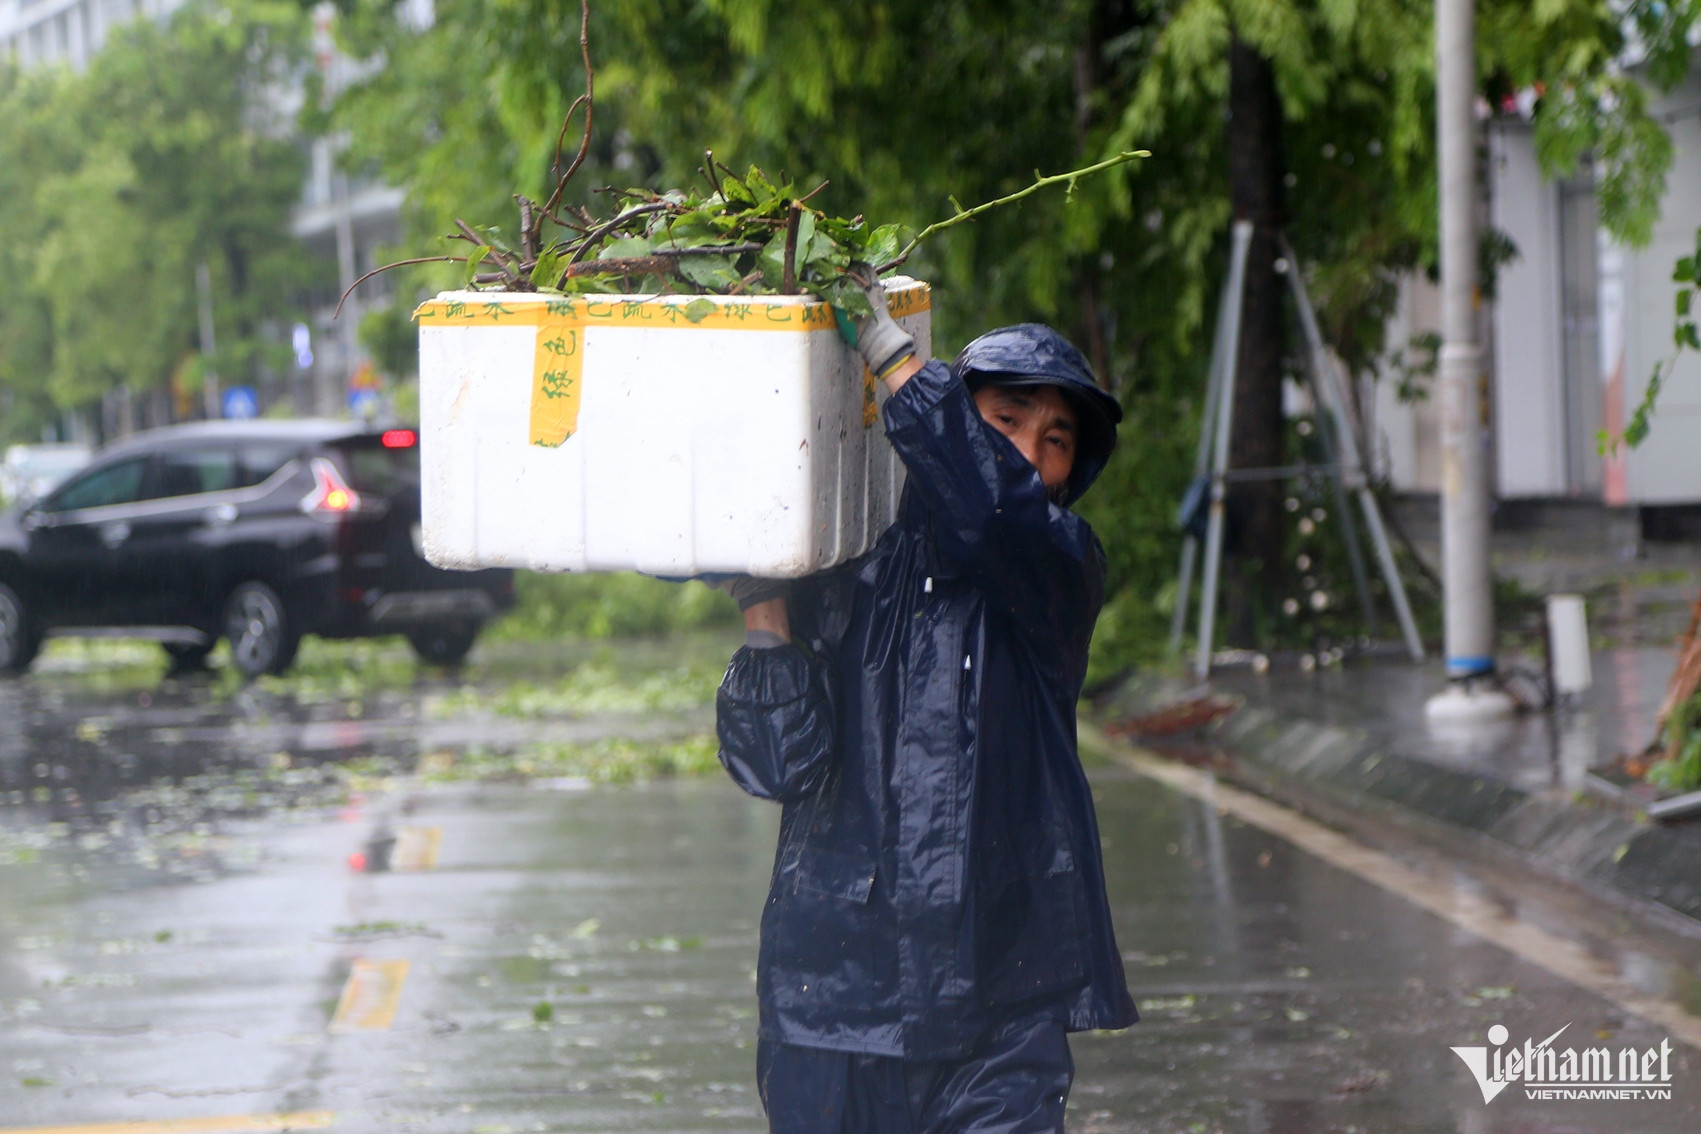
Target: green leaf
(845, 294)
(885, 242)
(475, 260)
(492, 236)
(827, 259)
(1641, 421)
(771, 260)
(1684, 270)
(717, 272)
(624, 247)
(805, 234)
(735, 192)
(761, 189)
(1684, 297)
(848, 232)
(548, 268)
(697, 228)
(1687, 336)
(698, 310)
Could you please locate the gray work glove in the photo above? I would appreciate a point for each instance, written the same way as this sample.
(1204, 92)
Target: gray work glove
(747, 590)
(883, 344)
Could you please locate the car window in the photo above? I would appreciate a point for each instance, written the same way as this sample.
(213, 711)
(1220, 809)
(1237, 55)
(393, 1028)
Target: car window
(257, 462)
(119, 483)
(190, 472)
(385, 471)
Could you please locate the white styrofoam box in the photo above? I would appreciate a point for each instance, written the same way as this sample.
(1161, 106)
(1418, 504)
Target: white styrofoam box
(673, 435)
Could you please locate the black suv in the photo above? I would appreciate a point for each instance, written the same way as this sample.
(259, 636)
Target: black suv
(257, 531)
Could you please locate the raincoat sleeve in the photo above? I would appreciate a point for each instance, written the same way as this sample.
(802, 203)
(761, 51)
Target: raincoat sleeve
(1037, 562)
(775, 718)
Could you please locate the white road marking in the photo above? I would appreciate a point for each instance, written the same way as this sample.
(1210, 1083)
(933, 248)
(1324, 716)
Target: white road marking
(1564, 959)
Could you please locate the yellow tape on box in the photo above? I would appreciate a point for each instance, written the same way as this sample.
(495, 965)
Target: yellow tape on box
(558, 366)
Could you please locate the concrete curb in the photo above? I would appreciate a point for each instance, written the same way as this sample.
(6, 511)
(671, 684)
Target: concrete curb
(1609, 849)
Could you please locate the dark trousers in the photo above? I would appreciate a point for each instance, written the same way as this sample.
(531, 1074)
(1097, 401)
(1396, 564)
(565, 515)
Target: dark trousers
(1015, 1081)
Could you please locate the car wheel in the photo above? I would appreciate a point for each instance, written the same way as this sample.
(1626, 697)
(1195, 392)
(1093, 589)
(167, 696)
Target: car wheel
(443, 645)
(262, 638)
(186, 658)
(19, 638)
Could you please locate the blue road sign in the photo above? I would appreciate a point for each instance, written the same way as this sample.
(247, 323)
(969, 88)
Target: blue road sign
(241, 402)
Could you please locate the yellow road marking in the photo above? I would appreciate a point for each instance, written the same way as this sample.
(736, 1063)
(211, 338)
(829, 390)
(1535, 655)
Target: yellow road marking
(226, 1124)
(370, 996)
(1472, 912)
(416, 848)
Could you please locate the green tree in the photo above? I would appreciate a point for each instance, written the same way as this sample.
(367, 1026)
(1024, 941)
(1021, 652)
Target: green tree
(1324, 106)
(169, 151)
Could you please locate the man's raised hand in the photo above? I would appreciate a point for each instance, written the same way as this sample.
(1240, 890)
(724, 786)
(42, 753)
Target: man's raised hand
(884, 345)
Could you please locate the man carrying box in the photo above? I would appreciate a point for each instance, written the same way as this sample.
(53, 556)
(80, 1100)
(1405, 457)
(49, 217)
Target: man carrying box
(937, 919)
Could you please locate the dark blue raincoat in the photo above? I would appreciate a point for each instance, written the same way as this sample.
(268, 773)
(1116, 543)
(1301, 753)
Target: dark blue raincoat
(938, 864)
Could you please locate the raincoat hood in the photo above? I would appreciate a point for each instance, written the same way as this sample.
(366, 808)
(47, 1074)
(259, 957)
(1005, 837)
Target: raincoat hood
(1030, 354)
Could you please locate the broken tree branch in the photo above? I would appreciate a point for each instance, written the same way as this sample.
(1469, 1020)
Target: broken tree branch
(387, 267)
(589, 99)
(1039, 183)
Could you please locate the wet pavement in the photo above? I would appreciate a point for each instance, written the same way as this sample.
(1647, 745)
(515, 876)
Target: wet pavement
(194, 922)
(1385, 698)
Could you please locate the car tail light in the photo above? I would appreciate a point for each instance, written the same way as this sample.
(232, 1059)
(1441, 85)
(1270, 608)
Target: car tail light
(399, 438)
(331, 494)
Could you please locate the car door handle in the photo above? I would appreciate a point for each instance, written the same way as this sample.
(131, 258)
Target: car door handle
(222, 515)
(114, 533)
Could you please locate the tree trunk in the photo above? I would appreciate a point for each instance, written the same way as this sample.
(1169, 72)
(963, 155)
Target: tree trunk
(1253, 580)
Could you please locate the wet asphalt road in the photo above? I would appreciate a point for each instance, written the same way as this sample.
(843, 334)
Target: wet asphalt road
(182, 904)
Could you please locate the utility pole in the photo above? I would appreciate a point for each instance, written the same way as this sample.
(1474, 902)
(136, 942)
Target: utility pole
(1467, 586)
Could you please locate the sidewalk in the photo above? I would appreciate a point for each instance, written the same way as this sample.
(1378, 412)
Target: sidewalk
(1353, 742)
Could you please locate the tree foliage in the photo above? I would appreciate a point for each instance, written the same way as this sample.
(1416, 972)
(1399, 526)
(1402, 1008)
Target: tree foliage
(173, 148)
(907, 106)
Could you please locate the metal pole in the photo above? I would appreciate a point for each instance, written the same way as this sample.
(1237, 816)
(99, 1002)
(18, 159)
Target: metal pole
(1465, 582)
(1469, 614)
(1201, 463)
(1234, 300)
(1178, 617)
(1351, 461)
(204, 305)
(1328, 428)
(335, 389)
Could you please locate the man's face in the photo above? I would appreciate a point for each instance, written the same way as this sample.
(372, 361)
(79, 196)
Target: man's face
(1039, 421)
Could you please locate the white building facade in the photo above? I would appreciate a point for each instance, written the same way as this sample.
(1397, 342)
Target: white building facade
(1575, 328)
